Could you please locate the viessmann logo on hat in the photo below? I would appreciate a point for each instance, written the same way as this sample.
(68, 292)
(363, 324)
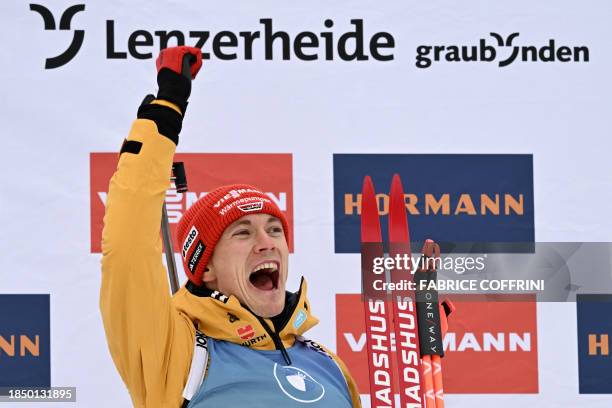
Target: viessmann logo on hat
(205, 172)
(235, 198)
(234, 194)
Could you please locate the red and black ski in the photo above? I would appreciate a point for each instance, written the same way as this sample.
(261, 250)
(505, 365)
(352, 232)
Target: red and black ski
(404, 305)
(376, 304)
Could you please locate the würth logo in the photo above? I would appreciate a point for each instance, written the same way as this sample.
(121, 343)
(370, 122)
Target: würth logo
(64, 24)
(246, 332)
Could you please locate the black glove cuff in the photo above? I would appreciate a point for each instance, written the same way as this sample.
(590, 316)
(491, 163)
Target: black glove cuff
(168, 121)
(173, 88)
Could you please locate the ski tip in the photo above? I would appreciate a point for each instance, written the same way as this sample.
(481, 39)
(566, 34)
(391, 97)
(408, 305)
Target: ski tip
(398, 221)
(396, 182)
(370, 223)
(367, 183)
(397, 190)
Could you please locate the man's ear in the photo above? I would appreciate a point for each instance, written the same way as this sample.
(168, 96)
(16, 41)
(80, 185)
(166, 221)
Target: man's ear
(209, 274)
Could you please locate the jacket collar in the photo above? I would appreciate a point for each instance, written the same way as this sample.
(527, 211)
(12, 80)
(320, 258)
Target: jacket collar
(224, 318)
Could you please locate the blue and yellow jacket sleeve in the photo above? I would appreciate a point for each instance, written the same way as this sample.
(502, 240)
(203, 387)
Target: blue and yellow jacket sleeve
(151, 343)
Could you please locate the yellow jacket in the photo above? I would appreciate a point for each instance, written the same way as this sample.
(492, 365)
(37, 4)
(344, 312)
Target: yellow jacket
(151, 334)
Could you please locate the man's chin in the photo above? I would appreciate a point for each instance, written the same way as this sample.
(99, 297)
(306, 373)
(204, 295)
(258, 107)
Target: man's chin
(267, 303)
(269, 313)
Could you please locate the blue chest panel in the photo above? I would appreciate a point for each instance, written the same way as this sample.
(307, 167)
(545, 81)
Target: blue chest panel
(240, 376)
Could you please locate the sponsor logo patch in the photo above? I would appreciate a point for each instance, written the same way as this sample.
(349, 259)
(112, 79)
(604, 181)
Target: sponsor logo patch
(235, 194)
(193, 234)
(196, 256)
(300, 318)
(201, 340)
(246, 204)
(254, 340)
(245, 332)
(251, 207)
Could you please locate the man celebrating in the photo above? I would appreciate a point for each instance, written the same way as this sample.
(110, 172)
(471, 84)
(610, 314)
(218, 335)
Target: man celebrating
(232, 335)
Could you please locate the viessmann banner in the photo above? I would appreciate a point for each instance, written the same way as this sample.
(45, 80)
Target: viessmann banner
(205, 171)
(479, 198)
(490, 347)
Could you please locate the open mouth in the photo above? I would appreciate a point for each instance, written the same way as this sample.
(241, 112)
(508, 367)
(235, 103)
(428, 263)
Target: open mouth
(265, 276)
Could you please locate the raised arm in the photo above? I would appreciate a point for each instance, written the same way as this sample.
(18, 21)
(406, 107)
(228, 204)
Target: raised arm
(150, 342)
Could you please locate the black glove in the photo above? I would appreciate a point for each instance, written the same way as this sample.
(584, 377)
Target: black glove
(176, 67)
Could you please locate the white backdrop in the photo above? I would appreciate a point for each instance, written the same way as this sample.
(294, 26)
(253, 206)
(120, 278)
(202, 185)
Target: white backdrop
(52, 119)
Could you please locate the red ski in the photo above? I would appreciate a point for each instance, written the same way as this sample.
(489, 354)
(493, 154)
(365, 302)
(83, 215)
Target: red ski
(376, 304)
(404, 305)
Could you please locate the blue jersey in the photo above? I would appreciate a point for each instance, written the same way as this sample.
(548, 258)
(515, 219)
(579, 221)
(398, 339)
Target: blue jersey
(241, 376)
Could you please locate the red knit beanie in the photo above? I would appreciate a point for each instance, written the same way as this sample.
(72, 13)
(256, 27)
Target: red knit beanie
(203, 223)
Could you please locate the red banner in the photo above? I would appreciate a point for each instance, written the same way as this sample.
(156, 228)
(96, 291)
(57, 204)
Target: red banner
(490, 347)
(272, 173)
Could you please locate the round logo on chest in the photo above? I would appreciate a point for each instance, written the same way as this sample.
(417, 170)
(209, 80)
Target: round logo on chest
(297, 384)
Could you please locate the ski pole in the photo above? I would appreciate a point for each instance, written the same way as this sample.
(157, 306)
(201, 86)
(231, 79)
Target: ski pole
(180, 181)
(446, 308)
(428, 320)
(433, 325)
